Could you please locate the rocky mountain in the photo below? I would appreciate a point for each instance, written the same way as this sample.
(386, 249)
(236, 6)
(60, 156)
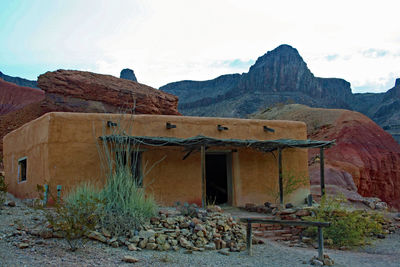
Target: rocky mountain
(128, 74)
(19, 81)
(282, 76)
(278, 76)
(383, 108)
(14, 97)
(365, 160)
(80, 91)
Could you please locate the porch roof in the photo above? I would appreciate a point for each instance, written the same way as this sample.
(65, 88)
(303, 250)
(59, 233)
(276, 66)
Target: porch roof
(200, 140)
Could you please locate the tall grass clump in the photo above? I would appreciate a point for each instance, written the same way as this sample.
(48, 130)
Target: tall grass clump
(126, 207)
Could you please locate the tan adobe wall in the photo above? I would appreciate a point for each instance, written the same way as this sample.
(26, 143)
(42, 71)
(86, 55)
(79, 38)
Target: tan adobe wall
(31, 141)
(73, 157)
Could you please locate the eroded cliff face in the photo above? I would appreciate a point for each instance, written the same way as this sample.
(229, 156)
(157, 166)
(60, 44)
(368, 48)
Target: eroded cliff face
(363, 151)
(14, 97)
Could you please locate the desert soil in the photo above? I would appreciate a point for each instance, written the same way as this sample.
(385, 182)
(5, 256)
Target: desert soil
(54, 252)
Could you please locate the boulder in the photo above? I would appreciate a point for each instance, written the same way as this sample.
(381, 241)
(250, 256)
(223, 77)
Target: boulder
(91, 92)
(79, 91)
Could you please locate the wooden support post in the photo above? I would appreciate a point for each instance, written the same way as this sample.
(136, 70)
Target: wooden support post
(320, 244)
(280, 176)
(248, 238)
(203, 176)
(322, 168)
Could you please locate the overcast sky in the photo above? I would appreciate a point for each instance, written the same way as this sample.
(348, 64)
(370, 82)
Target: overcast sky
(166, 41)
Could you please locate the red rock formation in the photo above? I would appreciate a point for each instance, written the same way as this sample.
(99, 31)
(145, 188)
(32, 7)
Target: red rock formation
(83, 91)
(13, 97)
(367, 152)
(363, 150)
(79, 91)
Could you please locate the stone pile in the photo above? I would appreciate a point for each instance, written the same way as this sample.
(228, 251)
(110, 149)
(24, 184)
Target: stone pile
(280, 232)
(171, 230)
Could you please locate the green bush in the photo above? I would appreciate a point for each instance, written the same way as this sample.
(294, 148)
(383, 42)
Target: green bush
(3, 190)
(126, 207)
(348, 228)
(77, 214)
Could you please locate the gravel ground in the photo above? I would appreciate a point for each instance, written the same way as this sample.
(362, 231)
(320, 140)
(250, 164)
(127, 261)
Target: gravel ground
(54, 252)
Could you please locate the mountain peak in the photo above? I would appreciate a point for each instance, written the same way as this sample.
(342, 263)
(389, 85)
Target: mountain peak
(285, 48)
(283, 54)
(397, 83)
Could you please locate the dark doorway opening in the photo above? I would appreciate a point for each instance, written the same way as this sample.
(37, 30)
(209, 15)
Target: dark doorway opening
(216, 178)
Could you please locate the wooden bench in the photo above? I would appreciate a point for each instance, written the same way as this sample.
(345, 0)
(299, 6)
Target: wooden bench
(320, 225)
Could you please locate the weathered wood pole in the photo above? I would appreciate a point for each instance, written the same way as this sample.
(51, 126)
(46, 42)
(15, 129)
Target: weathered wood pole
(248, 238)
(320, 244)
(322, 167)
(203, 176)
(280, 176)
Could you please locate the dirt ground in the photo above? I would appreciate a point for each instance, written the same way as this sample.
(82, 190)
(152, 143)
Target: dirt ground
(16, 221)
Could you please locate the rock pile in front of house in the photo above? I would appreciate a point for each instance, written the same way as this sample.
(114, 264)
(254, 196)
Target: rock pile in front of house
(172, 230)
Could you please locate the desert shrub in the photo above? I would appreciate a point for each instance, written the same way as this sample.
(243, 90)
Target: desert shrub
(3, 190)
(291, 182)
(77, 214)
(348, 228)
(126, 207)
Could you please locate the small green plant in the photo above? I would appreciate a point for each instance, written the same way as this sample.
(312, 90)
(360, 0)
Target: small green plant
(77, 214)
(3, 190)
(291, 183)
(348, 228)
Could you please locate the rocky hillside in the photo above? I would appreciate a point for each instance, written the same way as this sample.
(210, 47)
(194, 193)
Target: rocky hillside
(383, 108)
(366, 159)
(18, 81)
(282, 76)
(13, 97)
(79, 91)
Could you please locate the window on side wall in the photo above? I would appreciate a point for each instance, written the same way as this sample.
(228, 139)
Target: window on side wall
(133, 162)
(22, 168)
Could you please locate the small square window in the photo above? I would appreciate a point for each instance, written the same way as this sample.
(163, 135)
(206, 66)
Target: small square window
(22, 168)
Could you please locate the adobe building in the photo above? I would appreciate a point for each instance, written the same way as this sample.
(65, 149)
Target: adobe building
(188, 159)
